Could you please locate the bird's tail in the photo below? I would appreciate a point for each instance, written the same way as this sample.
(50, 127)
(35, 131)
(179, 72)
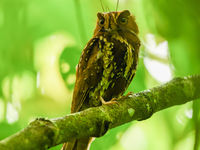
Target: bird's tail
(80, 144)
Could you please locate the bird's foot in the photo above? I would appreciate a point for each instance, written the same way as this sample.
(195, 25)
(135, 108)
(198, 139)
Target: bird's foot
(129, 94)
(112, 101)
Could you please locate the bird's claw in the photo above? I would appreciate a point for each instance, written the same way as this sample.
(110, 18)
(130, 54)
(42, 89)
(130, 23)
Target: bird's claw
(112, 101)
(129, 94)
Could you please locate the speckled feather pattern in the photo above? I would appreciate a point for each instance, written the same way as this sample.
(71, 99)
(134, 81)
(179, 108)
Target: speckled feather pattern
(107, 65)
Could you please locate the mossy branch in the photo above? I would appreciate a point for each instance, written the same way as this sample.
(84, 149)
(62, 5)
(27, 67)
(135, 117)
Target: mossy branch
(43, 133)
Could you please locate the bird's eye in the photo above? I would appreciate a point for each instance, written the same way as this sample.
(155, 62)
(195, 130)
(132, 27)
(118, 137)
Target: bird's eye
(101, 22)
(124, 20)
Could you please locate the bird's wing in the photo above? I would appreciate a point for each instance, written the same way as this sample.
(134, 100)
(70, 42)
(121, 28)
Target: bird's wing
(88, 74)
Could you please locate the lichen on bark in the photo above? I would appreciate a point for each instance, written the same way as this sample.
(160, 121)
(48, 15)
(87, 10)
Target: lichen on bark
(94, 122)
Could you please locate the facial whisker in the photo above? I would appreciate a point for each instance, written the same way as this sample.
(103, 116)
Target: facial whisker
(130, 31)
(108, 9)
(117, 5)
(102, 6)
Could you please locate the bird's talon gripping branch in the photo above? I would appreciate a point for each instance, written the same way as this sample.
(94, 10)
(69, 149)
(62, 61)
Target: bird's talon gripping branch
(129, 94)
(112, 101)
(107, 65)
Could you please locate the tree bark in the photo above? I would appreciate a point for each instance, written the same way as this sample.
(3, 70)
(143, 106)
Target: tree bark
(43, 133)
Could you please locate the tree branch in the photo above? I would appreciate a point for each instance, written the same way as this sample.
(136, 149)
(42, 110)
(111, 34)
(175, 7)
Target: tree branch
(42, 133)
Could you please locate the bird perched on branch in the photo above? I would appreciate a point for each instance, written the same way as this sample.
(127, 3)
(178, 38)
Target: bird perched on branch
(106, 67)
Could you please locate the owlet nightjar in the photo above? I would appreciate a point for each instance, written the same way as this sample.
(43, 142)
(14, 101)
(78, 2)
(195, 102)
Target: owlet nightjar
(107, 65)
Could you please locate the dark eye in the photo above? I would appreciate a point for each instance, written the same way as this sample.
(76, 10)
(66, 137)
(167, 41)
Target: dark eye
(123, 20)
(101, 21)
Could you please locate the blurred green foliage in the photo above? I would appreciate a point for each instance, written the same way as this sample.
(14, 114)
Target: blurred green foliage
(40, 45)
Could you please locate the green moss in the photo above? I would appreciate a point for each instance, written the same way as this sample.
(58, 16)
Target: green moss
(148, 107)
(91, 129)
(131, 112)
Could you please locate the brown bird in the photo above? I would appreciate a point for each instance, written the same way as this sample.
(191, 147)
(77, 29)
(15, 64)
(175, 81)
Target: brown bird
(106, 67)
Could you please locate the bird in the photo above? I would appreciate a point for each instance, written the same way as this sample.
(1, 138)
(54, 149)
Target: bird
(106, 67)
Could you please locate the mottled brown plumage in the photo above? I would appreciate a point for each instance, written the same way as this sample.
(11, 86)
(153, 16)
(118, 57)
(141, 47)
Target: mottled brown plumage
(107, 65)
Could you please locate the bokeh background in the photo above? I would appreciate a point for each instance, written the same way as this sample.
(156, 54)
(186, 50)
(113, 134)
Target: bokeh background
(40, 45)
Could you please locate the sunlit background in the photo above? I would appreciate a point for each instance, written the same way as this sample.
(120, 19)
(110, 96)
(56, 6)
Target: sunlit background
(40, 45)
